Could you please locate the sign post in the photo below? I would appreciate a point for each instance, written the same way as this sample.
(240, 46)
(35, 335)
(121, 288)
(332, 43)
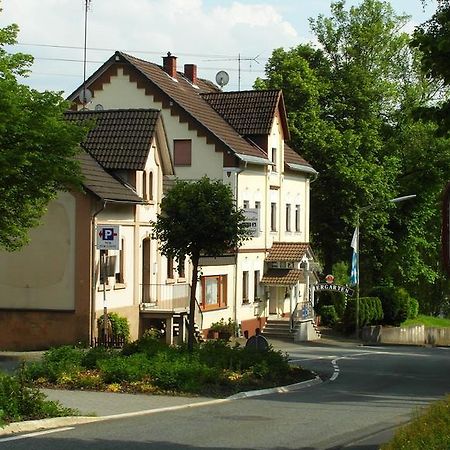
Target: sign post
(108, 238)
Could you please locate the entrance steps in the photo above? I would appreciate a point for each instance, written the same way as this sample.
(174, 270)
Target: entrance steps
(279, 328)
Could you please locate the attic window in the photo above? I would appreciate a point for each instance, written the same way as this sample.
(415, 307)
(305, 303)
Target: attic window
(182, 152)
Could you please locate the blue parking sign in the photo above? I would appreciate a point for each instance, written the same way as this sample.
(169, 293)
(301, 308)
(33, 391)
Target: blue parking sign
(108, 237)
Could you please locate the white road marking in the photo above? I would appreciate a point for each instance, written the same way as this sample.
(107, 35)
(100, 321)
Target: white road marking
(37, 433)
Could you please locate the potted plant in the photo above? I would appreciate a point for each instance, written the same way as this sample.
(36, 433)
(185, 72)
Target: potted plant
(224, 329)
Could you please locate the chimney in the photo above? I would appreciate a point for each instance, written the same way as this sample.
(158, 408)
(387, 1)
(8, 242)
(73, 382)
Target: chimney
(170, 64)
(190, 72)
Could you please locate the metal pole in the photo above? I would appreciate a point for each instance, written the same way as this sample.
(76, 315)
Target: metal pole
(357, 275)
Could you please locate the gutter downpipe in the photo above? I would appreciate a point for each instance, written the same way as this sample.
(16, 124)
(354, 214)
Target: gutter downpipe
(236, 193)
(93, 277)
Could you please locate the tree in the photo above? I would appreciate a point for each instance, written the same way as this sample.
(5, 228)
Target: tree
(37, 147)
(198, 218)
(351, 104)
(432, 39)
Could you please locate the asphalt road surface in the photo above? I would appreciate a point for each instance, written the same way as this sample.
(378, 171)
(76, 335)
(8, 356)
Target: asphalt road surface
(366, 393)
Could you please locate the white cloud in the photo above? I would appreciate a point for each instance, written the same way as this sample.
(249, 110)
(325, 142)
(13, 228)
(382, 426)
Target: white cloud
(184, 27)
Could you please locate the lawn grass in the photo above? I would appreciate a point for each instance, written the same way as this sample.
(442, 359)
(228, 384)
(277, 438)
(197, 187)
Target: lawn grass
(429, 430)
(428, 321)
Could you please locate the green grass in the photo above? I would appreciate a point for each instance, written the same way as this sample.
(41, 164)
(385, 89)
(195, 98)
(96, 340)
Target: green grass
(428, 321)
(429, 430)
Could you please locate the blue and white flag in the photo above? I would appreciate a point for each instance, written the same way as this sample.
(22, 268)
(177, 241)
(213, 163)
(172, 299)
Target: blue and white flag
(354, 275)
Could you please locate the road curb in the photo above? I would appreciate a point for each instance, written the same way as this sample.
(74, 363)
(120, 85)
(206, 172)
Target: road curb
(45, 424)
(57, 422)
(277, 390)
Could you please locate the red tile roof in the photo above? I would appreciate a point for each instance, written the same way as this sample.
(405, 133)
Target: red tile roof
(282, 277)
(248, 112)
(291, 156)
(287, 251)
(188, 98)
(121, 138)
(102, 184)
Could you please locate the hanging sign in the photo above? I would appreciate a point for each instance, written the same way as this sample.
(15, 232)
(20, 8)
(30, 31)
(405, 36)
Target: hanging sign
(334, 287)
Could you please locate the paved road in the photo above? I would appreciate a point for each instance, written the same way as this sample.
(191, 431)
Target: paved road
(367, 392)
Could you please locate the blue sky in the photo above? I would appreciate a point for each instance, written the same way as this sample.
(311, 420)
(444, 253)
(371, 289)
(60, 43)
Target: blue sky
(213, 34)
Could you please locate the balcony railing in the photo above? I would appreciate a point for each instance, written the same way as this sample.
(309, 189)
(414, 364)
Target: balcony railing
(169, 297)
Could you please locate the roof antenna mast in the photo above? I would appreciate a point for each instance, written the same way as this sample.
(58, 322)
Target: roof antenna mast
(84, 94)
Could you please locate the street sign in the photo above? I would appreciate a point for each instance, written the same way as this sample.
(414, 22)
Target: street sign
(108, 237)
(252, 220)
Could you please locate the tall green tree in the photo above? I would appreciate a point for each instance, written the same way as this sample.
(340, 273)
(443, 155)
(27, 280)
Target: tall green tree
(37, 147)
(198, 218)
(351, 104)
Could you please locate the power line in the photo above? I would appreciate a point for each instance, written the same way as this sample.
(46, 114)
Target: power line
(159, 53)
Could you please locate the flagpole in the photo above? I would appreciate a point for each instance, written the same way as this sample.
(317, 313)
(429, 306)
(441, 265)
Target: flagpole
(357, 276)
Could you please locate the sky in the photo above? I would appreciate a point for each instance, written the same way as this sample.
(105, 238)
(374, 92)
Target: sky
(235, 36)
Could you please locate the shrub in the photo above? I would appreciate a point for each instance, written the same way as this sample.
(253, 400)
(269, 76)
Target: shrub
(395, 302)
(413, 310)
(223, 326)
(93, 355)
(328, 315)
(19, 402)
(370, 312)
(149, 343)
(119, 325)
(118, 368)
(56, 362)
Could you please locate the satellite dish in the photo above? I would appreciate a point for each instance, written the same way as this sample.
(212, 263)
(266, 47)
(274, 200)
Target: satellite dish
(99, 107)
(222, 78)
(85, 96)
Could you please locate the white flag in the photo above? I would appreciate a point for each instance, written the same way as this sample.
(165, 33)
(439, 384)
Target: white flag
(355, 240)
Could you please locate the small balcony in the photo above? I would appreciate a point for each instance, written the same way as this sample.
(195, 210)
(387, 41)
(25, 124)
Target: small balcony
(165, 297)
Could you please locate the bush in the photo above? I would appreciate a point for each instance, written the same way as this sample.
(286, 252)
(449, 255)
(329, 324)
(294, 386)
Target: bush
(19, 402)
(149, 343)
(395, 302)
(413, 310)
(56, 362)
(370, 312)
(328, 315)
(119, 325)
(223, 326)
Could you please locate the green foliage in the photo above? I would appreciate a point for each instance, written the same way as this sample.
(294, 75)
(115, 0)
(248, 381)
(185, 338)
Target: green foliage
(149, 343)
(20, 402)
(198, 217)
(430, 429)
(119, 325)
(413, 308)
(428, 321)
(37, 148)
(395, 302)
(212, 368)
(221, 226)
(352, 113)
(370, 312)
(229, 326)
(328, 315)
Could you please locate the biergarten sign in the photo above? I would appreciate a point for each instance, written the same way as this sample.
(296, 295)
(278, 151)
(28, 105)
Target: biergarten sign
(335, 288)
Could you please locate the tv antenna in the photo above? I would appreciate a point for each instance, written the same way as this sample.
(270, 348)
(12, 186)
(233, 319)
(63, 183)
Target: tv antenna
(238, 59)
(84, 97)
